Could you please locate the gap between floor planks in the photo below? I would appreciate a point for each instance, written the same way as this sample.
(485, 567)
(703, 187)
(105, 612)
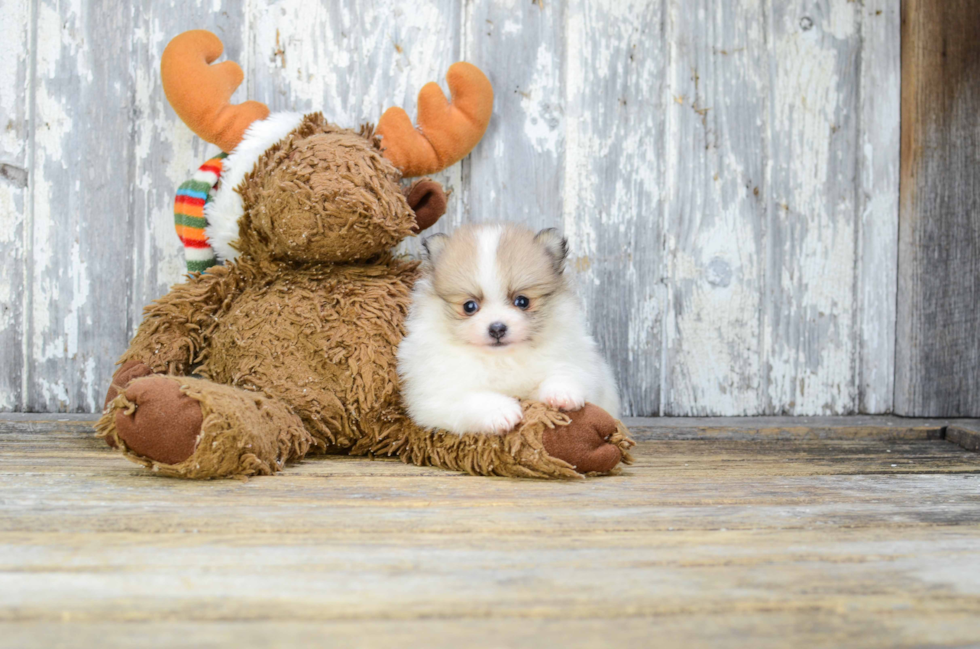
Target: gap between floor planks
(962, 432)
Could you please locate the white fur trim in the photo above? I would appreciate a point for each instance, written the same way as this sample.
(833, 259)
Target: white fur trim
(224, 211)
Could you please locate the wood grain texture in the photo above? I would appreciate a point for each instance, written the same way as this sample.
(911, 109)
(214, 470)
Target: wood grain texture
(816, 542)
(965, 434)
(938, 339)
(715, 210)
(15, 193)
(811, 197)
(516, 171)
(613, 180)
(643, 128)
(81, 226)
(878, 177)
(768, 429)
(765, 630)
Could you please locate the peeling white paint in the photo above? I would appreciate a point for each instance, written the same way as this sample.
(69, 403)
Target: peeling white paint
(307, 55)
(79, 298)
(611, 185)
(512, 27)
(54, 126)
(878, 191)
(842, 21)
(810, 350)
(543, 118)
(13, 69)
(54, 392)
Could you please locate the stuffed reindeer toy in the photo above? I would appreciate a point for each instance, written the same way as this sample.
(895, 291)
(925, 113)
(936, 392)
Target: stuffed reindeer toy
(282, 342)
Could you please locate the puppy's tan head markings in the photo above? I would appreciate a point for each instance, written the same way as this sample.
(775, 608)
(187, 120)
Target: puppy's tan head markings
(531, 264)
(496, 278)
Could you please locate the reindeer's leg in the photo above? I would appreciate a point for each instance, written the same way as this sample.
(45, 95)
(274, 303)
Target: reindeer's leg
(194, 428)
(546, 444)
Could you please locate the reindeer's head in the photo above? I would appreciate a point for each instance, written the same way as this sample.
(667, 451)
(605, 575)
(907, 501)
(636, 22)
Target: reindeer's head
(296, 188)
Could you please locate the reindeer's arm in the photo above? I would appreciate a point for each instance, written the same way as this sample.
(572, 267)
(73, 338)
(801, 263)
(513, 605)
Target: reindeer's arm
(174, 334)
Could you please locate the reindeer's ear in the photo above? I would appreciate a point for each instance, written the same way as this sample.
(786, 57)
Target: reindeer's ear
(428, 200)
(555, 244)
(434, 245)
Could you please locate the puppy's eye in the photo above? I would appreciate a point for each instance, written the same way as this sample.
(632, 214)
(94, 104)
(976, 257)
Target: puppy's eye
(471, 307)
(522, 302)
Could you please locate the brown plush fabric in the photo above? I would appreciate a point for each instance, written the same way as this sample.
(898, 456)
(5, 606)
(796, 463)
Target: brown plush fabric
(127, 372)
(161, 422)
(428, 201)
(323, 194)
(587, 442)
(176, 329)
(521, 453)
(321, 338)
(241, 433)
(296, 340)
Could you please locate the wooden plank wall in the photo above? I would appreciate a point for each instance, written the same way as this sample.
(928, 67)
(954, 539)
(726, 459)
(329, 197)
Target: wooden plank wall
(938, 360)
(15, 147)
(726, 171)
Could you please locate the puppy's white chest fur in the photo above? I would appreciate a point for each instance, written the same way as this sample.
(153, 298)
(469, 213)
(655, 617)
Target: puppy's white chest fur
(493, 322)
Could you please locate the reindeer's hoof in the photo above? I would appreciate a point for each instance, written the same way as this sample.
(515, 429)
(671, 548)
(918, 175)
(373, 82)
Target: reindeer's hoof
(165, 424)
(584, 443)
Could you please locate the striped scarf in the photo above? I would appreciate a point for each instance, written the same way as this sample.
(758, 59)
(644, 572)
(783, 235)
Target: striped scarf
(189, 218)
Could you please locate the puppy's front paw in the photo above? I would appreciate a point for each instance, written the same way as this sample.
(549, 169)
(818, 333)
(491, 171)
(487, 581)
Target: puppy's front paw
(561, 394)
(500, 414)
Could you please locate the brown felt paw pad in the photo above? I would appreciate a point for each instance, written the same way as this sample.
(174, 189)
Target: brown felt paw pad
(584, 442)
(130, 370)
(165, 424)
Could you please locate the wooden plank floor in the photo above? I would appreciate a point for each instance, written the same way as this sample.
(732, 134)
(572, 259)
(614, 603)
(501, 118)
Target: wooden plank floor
(774, 532)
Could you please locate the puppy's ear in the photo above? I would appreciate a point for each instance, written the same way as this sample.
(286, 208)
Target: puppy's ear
(433, 246)
(555, 244)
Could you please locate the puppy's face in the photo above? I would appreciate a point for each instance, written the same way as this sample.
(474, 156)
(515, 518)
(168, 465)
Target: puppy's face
(496, 283)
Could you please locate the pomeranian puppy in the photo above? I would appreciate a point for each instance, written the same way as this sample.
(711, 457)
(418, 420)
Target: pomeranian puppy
(494, 320)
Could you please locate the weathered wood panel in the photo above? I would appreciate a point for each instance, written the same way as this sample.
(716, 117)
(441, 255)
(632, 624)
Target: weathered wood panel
(615, 65)
(764, 629)
(644, 129)
(770, 429)
(516, 172)
(878, 165)
(81, 264)
(15, 204)
(812, 542)
(938, 342)
(715, 210)
(780, 273)
(811, 229)
(965, 433)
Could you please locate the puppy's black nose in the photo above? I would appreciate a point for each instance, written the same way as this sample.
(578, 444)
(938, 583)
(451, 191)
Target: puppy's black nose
(498, 330)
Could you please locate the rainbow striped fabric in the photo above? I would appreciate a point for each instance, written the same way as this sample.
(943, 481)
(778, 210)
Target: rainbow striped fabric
(189, 218)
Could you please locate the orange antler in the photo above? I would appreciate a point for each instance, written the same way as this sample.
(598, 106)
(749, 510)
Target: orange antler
(200, 92)
(447, 131)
